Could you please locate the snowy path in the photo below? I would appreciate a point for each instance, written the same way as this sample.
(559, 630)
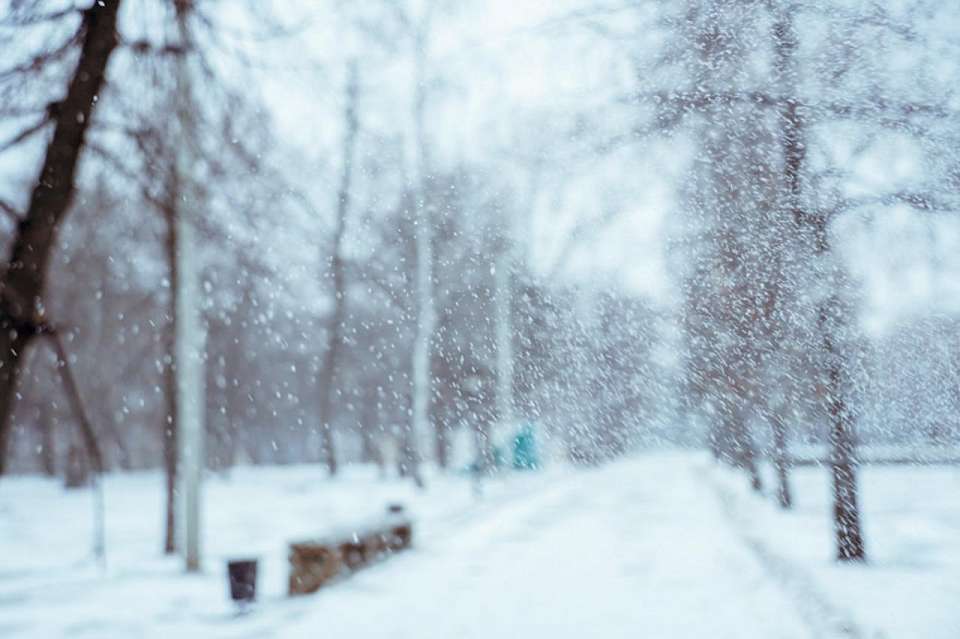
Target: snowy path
(640, 548)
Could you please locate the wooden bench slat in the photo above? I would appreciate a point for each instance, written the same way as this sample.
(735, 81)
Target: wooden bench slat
(315, 563)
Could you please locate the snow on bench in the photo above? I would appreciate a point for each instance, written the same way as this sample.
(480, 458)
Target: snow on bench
(316, 562)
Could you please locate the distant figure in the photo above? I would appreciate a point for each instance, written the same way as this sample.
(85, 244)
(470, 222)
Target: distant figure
(525, 449)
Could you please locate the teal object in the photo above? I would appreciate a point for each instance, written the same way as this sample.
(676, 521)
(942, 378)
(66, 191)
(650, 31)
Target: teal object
(525, 449)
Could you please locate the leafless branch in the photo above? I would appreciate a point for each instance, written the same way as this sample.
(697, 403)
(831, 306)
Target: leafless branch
(582, 230)
(10, 211)
(145, 47)
(875, 107)
(397, 298)
(38, 62)
(76, 400)
(121, 167)
(916, 200)
(25, 20)
(24, 135)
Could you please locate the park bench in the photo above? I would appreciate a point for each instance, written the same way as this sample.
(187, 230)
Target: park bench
(316, 562)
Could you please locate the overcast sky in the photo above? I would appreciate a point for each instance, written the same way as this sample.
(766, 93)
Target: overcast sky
(507, 71)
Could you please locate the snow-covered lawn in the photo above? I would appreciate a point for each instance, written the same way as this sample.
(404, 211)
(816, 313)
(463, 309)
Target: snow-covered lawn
(659, 545)
(911, 585)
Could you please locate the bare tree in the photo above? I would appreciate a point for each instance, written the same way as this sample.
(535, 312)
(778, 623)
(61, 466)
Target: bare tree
(331, 358)
(22, 308)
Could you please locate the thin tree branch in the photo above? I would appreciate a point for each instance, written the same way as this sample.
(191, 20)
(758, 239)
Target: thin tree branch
(76, 400)
(41, 60)
(692, 101)
(10, 211)
(24, 135)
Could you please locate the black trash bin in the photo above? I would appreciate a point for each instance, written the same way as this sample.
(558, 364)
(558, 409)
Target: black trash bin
(243, 579)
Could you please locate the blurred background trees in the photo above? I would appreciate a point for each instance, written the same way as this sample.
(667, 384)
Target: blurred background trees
(427, 223)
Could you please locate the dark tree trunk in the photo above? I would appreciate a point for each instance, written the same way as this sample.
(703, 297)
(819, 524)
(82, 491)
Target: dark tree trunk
(484, 445)
(124, 460)
(713, 445)
(48, 451)
(368, 446)
(738, 443)
(780, 462)
(746, 457)
(846, 512)
(171, 396)
(93, 456)
(368, 422)
(408, 459)
(794, 154)
(170, 485)
(12, 345)
(846, 508)
(442, 443)
(791, 125)
(77, 473)
(718, 439)
(218, 449)
(327, 392)
(23, 279)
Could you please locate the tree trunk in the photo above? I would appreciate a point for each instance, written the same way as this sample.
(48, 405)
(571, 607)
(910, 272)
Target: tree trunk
(77, 473)
(48, 451)
(124, 459)
(846, 512)
(791, 125)
(734, 440)
(442, 443)
(743, 450)
(171, 397)
(484, 446)
(421, 360)
(410, 458)
(713, 443)
(846, 508)
(794, 154)
(780, 463)
(23, 279)
(369, 418)
(72, 390)
(334, 345)
(503, 302)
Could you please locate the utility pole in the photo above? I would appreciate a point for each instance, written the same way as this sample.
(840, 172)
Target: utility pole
(190, 338)
(426, 313)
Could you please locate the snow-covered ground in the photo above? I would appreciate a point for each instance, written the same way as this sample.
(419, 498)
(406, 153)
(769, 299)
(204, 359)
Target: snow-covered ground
(911, 585)
(659, 545)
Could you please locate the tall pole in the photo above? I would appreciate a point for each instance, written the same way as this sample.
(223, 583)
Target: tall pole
(503, 272)
(190, 336)
(331, 358)
(424, 247)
